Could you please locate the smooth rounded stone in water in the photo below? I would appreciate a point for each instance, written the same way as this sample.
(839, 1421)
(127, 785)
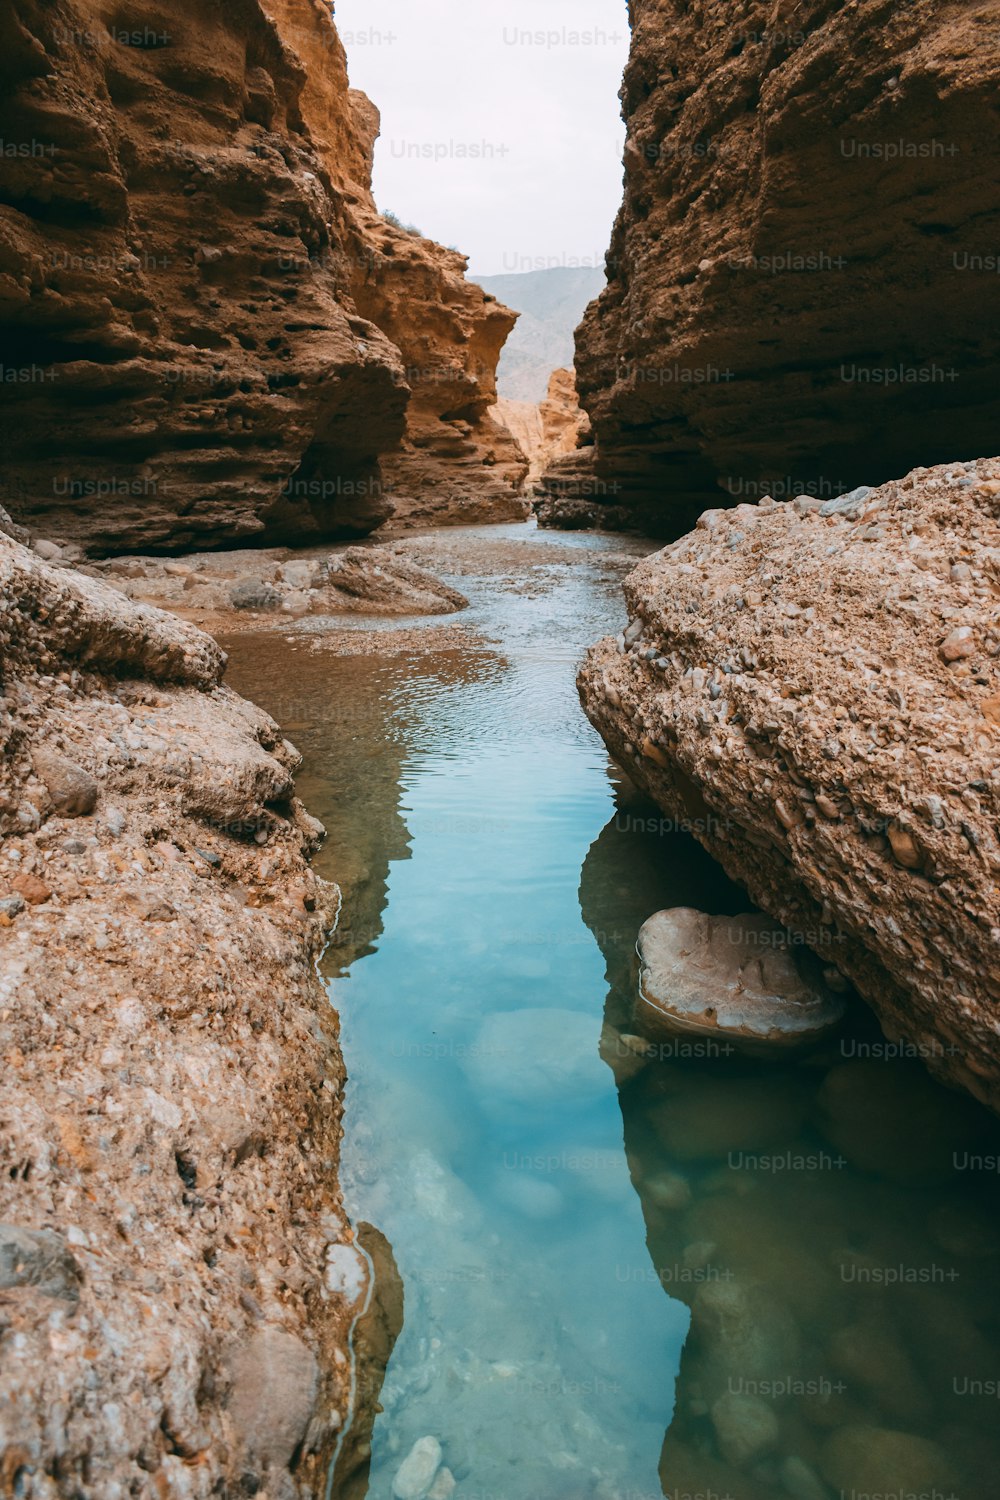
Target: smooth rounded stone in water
(800, 1481)
(876, 1460)
(739, 1332)
(529, 1196)
(891, 1118)
(874, 1362)
(443, 1487)
(418, 1471)
(536, 1059)
(733, 978)
(746, 1428)
(724, 1119)
(668, 1190)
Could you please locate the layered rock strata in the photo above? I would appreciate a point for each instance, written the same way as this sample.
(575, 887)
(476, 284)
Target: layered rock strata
(807, 242)
(815, 690)
(549, 429)
(177, 1279)
(191, 273)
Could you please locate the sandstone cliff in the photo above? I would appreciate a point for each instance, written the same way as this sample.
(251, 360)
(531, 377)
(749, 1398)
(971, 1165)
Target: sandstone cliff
(816, 691)
(806, 249)
(187, 249)
(177, 1279)
(549, 429)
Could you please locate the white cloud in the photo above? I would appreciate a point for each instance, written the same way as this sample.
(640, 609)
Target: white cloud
(509, 148)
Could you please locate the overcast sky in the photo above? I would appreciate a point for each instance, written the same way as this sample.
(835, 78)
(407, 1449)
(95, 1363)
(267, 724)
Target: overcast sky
(506, 145)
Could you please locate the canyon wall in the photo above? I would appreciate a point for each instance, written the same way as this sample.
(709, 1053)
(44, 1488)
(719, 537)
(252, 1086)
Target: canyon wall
(807, 246)
(814, 688)
(188, 247)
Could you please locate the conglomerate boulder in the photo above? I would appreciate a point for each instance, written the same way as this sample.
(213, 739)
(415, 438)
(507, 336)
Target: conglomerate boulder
(815, 690)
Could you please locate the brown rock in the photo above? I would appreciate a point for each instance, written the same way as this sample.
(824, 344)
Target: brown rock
(770, 719)
(735, 978)
(549, 430)
(34, 891)
(758, 334)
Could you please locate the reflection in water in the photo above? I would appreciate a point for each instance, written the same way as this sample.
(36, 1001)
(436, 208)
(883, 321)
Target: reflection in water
(822, 1222)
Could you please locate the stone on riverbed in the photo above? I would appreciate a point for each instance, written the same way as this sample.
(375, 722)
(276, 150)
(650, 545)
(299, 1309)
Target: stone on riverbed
(874, 1460)
(731, 977)
(746, 1428)
(418, 1470)
(536, 1059)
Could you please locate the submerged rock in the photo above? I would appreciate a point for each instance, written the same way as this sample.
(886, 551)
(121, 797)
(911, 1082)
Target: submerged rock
(536, 1058)
(746, 1427)
(734, 977)
(874, 1460)
(418, 1470)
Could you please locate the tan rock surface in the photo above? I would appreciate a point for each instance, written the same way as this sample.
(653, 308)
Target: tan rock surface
(809, 190)
(169, 1098)
(784, 684)
(549, 429)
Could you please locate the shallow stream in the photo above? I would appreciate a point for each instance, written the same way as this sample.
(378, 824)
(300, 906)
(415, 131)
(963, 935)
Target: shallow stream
(557, 1207)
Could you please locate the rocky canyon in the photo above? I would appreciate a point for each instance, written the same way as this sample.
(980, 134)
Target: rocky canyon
(601, 1101)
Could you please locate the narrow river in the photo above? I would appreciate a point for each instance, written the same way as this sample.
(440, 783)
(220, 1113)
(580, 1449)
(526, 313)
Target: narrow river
(555, 1208)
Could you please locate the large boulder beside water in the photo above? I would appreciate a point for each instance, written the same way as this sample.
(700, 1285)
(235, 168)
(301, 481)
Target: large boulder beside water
(816, 689)
(735, 978)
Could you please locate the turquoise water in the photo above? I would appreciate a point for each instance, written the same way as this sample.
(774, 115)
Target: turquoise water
(556, 1218)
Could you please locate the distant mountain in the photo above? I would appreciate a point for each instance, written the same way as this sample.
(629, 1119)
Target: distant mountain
(551, 304)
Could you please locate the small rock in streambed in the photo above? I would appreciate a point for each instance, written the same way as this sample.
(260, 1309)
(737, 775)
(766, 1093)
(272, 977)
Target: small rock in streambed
(746, 1428)
(418, 1471)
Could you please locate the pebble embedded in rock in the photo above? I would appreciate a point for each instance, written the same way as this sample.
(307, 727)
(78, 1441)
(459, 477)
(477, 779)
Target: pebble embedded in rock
(959, 644)
(34, 891)
(274, 1385)
(875, 1460)
(73, 790)
(40, 1259)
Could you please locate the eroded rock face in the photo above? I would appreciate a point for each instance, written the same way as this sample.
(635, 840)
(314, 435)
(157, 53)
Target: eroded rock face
(191, 356)
(457, 461)
(817, 691)
(797, 275)
(169, 1101)
(548, 429)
